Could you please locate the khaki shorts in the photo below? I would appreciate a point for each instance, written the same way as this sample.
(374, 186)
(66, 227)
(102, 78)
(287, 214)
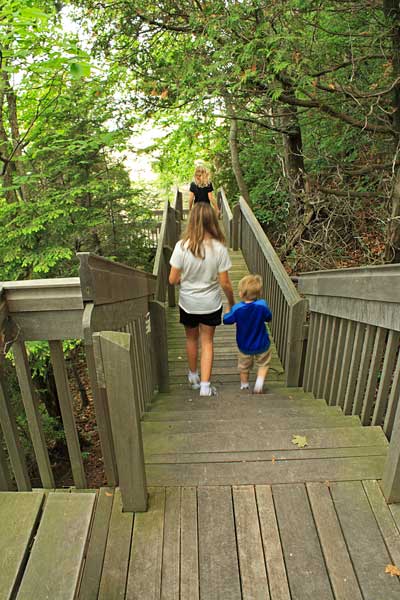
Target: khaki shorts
(245, 361)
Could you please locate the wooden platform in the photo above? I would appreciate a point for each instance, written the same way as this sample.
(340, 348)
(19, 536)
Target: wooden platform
(325, 540)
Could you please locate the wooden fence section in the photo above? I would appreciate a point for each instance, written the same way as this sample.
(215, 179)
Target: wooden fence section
(353, 353)
(106, 296)
(288, 307)
(227, 216)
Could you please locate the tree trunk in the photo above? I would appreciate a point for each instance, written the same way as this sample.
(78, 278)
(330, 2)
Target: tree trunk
(392, 12)
(5, 147)
(294, 159)
(234, 148)
(15, 135)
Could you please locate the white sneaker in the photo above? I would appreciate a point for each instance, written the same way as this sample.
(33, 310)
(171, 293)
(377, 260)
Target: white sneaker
(194, 381)
(208, 391)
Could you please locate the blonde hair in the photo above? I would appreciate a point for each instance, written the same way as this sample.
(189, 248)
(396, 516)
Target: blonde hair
(202, 221)
(201, 176)
(250, 287)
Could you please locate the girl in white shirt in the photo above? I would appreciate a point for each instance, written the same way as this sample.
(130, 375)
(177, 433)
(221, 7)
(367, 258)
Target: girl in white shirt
(200, 263)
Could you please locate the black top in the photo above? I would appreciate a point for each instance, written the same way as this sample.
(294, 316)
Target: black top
(201, 193)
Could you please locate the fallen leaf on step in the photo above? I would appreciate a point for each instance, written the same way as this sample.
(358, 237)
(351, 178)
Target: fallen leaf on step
(300, 441)
(392, 570)
(108, 494)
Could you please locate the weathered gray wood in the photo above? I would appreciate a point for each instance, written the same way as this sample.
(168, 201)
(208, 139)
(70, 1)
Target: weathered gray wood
(354, 368)
(11, 436)
(235, 227)
(305, 565)
(367, 549)
(218, 560)
(393, 400)
(276, 570)
(19, 515)
(159, 344)
(326, 390)
(32, 413)
(55, 563)
(116, 559)
(167, 252)
(119, 372)
(308, 361)
(253, 575)
(363, 369)
(100, 401)
(319, 340)
(171, 548)
(65, 400)
(189, 566)
(295, 342)
(338, 562)
(345, 362)
(5, 479)
(333, 392)
(374, 370)
(384, 518)
(327, 335)
(144, 576)
(382, 398)
(261, 472)
(90, 583)
(49, 325)
(115, 316)
(104, 281)
(391, 475)
(38, 295)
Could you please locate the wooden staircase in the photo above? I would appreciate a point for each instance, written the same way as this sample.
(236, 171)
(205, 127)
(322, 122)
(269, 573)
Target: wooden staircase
(238, 438)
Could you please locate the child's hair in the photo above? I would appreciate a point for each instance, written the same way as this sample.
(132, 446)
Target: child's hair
(202, 220)
(201, 176)
(250, 287)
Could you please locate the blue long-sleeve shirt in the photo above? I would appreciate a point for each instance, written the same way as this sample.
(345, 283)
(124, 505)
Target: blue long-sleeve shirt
(251, 333)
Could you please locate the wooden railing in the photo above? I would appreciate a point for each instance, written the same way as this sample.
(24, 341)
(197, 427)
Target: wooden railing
(288, 307)
(107, 296)
(353, 352)
(226, 215)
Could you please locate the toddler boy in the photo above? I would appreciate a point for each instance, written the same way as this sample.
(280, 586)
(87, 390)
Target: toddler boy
(251, 333)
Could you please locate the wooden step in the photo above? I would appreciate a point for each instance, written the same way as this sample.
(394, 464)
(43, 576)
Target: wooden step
(248, 425)
(347, 437)
(271, 390)
(228, 401)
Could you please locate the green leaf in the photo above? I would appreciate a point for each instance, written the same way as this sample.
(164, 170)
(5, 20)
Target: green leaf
(300, 441)
(79, 70)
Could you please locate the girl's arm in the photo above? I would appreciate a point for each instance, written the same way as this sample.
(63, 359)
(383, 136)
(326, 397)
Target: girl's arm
(191, 199)
(174, 276)
(213, 202)
(226, 285)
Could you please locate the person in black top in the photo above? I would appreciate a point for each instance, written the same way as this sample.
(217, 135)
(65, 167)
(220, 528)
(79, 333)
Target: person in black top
(201, 189)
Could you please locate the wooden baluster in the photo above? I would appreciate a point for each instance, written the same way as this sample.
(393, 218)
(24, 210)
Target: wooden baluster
(364, 368)
(333, 393)
(5, 479)
(159, 344)
(67, 412)
(308, 368)
(386, 377)
(318, 352)
(15, 450)
(376, 361)
(354, 368)
(330, 359)
(394, 400)
(346, 360)
(326, 336)
(30, 402)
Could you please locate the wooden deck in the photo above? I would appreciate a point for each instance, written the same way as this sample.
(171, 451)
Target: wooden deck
(236, 509)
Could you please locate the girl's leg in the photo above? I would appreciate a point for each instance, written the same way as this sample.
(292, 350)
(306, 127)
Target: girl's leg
(261, 375)
(207, 351)
(192, 345)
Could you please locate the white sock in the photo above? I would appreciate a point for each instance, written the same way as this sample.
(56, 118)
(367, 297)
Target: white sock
(193, 375)
(258, 386)
(204, 386)
(244, 386)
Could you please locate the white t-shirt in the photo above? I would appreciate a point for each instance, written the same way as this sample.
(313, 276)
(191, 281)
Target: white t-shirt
(200, 292)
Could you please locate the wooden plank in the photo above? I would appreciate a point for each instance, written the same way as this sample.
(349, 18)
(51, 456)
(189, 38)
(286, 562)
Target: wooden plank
(353, 368)
(393, 400)
(315, 320)
(332, 469)
(364, 369)
(305, 565)
(253, 575)
(384, 518)
(326, 390)
(189, 556)
(30, 402)
(277, 577)
(295, 341)
(144, 576)
(159, 344)
(319, 340)
(54, 566)
(5, 479)
(67, 412)
(171, 549)
(119, 371)
(391, 475)
(307, 365)
(11, 436)
(90, 583)
(49, 325)
(345, 362)
(116, 559)
(327, 337)
(382, 398)
(374, 370)
(333, 398)
(364, 541)
(218, 560)
(19, 515)
(341, 574)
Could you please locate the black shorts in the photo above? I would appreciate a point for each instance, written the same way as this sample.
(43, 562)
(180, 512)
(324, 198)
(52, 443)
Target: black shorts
(193, 320)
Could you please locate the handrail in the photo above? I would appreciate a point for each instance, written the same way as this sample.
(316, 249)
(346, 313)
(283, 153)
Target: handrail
(227, 216)
(169, 234)
(353, 354)
(106, 296)
(288, 307)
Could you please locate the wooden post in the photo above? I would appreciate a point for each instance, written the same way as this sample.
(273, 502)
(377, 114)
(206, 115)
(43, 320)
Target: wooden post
(159, 344)
(117, 361)
(167, 251)
(294, 343)
(391, 474)
(235, 227)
